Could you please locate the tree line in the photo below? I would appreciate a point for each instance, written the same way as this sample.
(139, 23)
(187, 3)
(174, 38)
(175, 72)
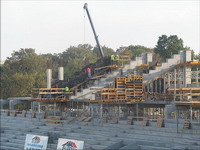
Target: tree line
(26, 70)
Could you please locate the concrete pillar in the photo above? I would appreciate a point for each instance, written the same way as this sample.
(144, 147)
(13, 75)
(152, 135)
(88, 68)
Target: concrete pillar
(197, 76)
(188, 55)
(60, 73)
(187, 75)
(185, 56)
(54, 109)
(168, 80)
(39, 108)
(3, 102)
(164, 86)
(137, 110)
(174, 84)
(160, 85)
(191, 113)
(49, 78)
(156, 85)
(144, 58)
(60, 70)
(49, 73)
(149, 57)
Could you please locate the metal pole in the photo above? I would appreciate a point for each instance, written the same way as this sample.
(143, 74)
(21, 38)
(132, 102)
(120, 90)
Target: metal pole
(169, 80)
(197, 76)
(54, 109)
(101, 112)
(39, 107)
(190, 113)
(137, 110)
(177, 114)
(174, 84)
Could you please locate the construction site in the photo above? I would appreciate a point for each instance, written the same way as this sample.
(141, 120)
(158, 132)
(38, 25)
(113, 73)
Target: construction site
(125, 105)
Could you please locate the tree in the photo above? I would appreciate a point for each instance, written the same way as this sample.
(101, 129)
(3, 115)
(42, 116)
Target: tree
(107, 51)
(21, 72)
(136, 50)
(75, 58)
(167, 46)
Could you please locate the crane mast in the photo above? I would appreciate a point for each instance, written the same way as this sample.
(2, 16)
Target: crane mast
(95, 35)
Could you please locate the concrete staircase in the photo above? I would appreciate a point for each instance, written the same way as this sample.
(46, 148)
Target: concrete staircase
(98, 135)
(164, 67)
(109, 78)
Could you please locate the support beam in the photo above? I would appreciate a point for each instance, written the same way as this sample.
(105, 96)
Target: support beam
(174, 84)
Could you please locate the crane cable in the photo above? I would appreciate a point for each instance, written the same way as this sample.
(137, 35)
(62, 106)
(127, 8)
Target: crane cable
(84, 37)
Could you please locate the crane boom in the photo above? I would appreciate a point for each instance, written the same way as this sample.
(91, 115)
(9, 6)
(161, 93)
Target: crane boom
(95, 35)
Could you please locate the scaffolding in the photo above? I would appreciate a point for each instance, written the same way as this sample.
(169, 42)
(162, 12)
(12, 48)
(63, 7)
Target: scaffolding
(126, 90)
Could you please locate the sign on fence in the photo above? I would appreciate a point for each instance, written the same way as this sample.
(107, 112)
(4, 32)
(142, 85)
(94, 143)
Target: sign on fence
(68, 144)
(34, 142)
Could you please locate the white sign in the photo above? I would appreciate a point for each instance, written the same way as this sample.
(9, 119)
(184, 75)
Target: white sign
(68, 144)
(34, 142)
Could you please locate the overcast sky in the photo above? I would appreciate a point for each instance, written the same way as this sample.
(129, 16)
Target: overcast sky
(52, 26)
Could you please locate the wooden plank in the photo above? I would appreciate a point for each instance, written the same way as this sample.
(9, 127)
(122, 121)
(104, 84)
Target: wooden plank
(88, 119)
(83, 118)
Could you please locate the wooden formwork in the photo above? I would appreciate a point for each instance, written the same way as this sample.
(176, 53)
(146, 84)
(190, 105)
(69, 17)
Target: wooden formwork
(126, 89)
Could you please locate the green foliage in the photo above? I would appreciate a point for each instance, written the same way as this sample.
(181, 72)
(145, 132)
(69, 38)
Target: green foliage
(167, 46)
(107, 51)
(137, 50)
(75, 58)
(21, 72)
(26, 70)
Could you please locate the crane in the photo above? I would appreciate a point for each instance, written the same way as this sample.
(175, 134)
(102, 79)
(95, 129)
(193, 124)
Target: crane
(95, 35)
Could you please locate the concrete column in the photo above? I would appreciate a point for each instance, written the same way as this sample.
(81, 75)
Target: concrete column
(160, 85)
(137, 110)
(168, 80)
(60, 73)
(191, 113)
(54, 108)
(144, 58)
(49, 73)
(49, 78)
(11, 107)
(39, 107)
(197, 76)
(174, 84)
(60, 70)
(101, 111)
(156, 85)
(164, 86)
(187, 75)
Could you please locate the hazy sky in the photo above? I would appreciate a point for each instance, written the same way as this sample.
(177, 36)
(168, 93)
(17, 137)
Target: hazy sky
(52, 26)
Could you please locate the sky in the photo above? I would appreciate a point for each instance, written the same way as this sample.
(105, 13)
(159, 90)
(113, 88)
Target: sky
(54, 26)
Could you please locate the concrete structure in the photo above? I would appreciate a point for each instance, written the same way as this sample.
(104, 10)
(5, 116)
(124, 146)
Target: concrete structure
(88, 93)
(17, 100)
(60, 70)
(3, 102)
(97, 135)
(49, 73)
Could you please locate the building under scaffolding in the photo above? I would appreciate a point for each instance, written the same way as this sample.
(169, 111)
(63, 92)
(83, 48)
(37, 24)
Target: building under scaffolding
(171, 90)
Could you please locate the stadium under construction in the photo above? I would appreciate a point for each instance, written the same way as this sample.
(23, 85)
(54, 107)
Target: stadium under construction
(126, 106)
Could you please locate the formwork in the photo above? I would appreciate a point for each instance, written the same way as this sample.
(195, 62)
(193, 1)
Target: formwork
(126, 89)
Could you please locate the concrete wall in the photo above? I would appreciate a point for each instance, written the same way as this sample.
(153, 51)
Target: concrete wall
(146, 58)
(185, 56)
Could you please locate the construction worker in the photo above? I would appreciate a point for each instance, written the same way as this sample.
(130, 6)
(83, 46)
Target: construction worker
(89, 72)
(117, 60)
(112, 59)
(66, 89)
